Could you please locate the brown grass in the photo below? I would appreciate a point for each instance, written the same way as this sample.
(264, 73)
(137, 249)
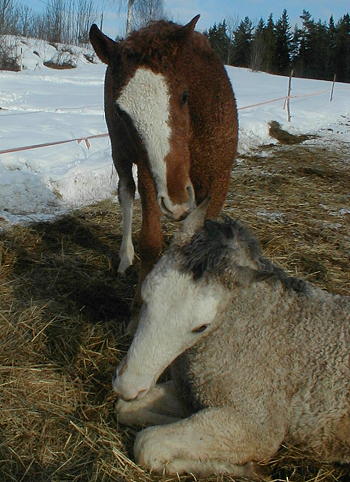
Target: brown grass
(58, 66)
(63, 310)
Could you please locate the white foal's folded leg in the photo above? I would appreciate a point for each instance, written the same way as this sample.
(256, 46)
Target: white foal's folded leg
(206, 468)
(218, 437)
(158, 407)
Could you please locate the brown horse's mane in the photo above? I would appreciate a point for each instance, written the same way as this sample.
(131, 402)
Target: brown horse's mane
(158, 40)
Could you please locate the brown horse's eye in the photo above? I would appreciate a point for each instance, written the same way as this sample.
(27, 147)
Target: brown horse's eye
(200, 329)
(184, 98)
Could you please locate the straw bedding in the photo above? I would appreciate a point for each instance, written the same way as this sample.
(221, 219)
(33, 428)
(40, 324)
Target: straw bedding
(63, 311)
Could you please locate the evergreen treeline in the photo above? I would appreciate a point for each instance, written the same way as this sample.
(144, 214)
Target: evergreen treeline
(316, 49)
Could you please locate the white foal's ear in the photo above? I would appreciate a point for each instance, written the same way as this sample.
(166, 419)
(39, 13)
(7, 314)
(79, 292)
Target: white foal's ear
(192, 223)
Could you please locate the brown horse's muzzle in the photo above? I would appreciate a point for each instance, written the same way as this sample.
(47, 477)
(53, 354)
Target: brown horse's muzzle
(177, 211)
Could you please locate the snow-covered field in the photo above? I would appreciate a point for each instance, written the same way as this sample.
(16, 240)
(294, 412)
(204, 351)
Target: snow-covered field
(41, 105)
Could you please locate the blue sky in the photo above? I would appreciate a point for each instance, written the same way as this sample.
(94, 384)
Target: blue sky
(214, 11)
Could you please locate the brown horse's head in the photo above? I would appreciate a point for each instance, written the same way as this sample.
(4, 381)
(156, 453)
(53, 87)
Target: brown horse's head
(147, 87)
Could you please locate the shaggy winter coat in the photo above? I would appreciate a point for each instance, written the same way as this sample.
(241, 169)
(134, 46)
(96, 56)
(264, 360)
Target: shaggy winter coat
(270, 366)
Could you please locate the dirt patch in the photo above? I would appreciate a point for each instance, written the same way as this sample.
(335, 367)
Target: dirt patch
(285, 137)
(63, 66)
(63, 310)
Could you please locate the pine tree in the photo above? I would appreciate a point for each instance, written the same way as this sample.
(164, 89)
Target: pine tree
(319, 45)
(283, 39)
(303, 58)
(242, 44)
(342, 49)
(219, 40)
(258, 47)
(269, 61)
(331, 48)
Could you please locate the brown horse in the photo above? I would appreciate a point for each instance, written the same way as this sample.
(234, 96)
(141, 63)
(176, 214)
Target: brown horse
(170, 110)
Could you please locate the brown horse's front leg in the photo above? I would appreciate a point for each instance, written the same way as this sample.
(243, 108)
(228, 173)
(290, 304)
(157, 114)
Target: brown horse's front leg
(150, 238)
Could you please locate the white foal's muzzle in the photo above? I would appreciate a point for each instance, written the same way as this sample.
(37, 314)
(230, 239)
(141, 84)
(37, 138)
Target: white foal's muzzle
(126, 387)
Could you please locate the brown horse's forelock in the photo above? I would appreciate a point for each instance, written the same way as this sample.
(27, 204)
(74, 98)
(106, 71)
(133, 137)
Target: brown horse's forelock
(153, 43)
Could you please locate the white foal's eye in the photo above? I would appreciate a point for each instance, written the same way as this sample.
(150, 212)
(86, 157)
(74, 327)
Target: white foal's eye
(200, 329)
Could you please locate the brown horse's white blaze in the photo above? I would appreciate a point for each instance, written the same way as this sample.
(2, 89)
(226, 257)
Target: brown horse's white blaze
(147, 101)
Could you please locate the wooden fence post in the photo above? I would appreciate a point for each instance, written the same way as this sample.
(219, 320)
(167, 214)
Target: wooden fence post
(288, 96)
(332, 90)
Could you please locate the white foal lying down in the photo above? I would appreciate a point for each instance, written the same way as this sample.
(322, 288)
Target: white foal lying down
(258, 358)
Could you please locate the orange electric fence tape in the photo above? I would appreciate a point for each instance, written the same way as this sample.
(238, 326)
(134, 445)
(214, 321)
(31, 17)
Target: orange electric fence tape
(47, 144)
(86, 139)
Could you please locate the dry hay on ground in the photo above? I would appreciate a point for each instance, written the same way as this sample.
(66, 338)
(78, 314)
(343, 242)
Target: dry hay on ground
(63, 310)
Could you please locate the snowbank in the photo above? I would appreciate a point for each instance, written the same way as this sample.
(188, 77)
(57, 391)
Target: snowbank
(33, 54)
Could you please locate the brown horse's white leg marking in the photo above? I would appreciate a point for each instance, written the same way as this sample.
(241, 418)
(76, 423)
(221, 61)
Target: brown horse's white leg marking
(126, 252)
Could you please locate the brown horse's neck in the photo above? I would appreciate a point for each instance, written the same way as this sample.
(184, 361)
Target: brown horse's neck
(213, 115)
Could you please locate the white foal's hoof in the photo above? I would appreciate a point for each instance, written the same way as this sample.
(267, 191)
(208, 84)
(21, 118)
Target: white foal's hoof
(159, 450)
(124, 411)
(152, 450)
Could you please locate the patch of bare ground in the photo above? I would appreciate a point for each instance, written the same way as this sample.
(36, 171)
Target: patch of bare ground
(63, 310)
(297, 200)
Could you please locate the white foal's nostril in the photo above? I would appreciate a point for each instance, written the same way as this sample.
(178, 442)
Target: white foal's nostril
(127, 389)
(137, 396)
(130, 396)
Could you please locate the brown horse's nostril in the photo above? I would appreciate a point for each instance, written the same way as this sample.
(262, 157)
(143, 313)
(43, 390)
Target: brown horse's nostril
(177, 212)
(164, 206)
(142, 393)
(191, 196)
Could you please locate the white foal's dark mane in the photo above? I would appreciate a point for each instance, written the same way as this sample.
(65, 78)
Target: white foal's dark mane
(210, 252)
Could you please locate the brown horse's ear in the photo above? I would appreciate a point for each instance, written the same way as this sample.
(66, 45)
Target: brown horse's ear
(185, 31)
(103, 45)
(189, 28)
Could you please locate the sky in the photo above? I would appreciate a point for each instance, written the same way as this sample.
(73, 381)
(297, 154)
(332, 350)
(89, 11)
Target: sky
(213, 11)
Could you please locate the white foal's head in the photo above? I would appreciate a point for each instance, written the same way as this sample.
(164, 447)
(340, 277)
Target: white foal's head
(187, 292)
(177, 311)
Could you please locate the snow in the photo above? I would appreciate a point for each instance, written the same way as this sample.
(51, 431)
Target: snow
(40, 105)
(32, 53)
(311, 114)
